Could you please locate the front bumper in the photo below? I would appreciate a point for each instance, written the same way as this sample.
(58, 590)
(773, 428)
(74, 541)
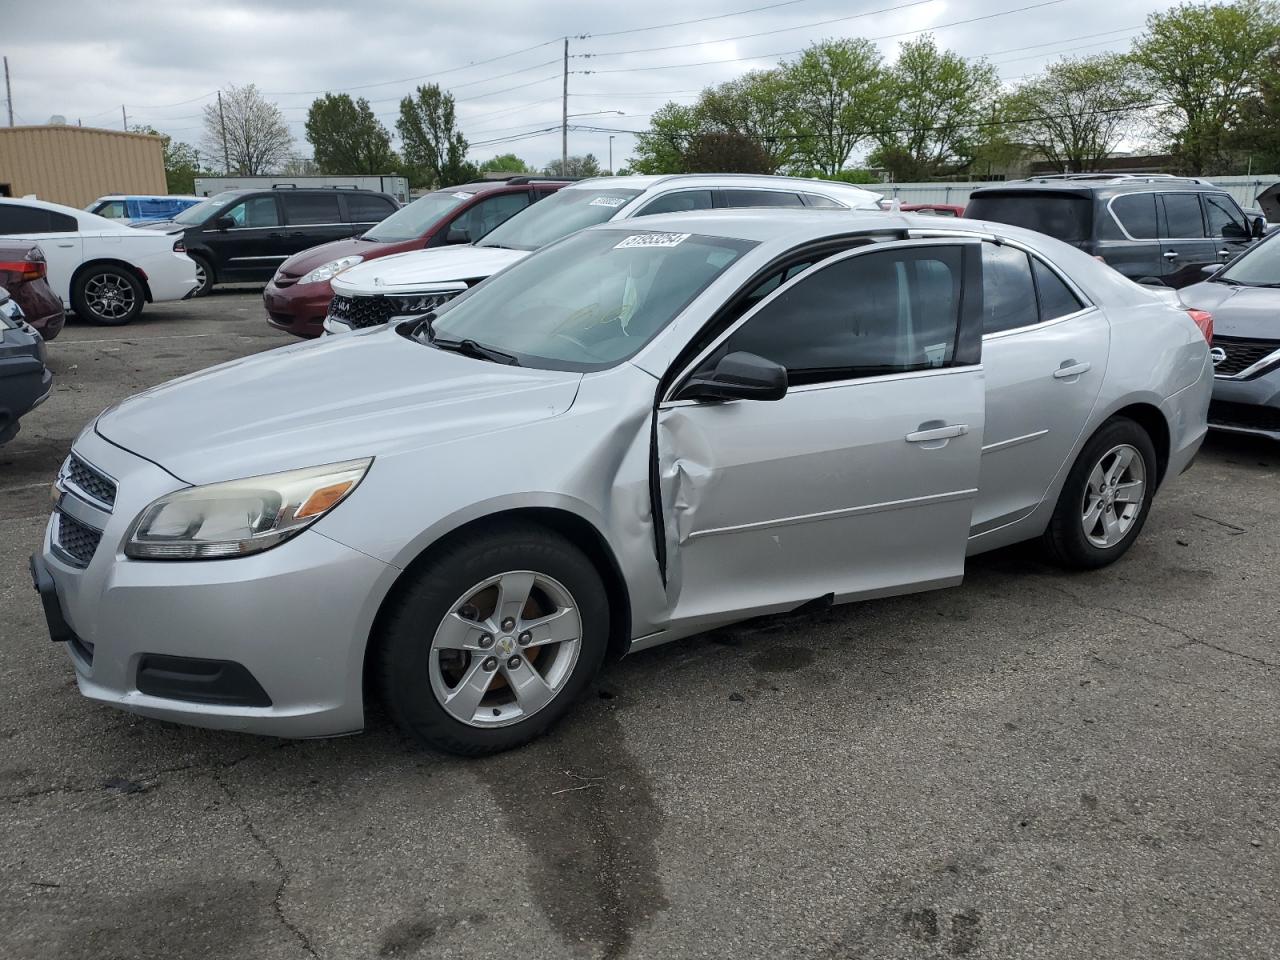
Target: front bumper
(298, 308)
(1250, 407)
(294, 619)
(332, 325)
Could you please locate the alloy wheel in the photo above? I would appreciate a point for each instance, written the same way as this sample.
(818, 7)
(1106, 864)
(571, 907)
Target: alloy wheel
(1114, 496)
(202, 277)
(506, 649)
(110, 296)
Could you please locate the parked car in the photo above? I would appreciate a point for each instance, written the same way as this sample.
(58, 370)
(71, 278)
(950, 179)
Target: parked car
(638, 433)
(1154, 229)
(244, 235)
(1244, 298)
(24, 273)
(104, 270)
(297, 298)
(25, 381)
(134, 209)
(412, 284)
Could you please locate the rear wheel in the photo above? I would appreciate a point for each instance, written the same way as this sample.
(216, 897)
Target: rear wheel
(107, 295)
(493, 641)
(1106, 498)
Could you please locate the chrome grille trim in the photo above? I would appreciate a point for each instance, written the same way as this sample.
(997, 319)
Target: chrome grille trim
(89, 483)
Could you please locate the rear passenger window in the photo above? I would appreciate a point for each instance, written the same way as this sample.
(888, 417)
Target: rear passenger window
(310, 208)
(362, 208)
(886, 312)
(760, 198)
(1008, 292)
(1182, 216)
(678, 202)
(1137, 214)
(62, 223)
(1056, 298)
(825, 203)
(19, 219)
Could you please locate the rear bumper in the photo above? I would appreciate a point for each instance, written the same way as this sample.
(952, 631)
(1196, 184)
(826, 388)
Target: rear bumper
(25, 383)
(1250, 407)
(299, 308)
(43, 309)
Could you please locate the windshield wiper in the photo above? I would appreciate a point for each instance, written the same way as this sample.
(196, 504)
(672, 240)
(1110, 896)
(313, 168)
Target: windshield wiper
(1228, 281)
(469, 348)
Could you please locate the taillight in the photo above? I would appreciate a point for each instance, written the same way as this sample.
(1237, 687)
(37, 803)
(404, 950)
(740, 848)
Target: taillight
(24, 269)
(179, 246)
(1204, 320)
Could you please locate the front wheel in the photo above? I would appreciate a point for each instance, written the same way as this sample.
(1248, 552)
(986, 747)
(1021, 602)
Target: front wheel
(107, 295)
(204, 275)
(493, 640)
(1106, 498)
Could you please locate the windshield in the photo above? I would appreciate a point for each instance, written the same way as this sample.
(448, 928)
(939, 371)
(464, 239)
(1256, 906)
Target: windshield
(1260, 266)
(589, 302)
(202, 210)
(411, 222)
(557, 216)
(1060, 215)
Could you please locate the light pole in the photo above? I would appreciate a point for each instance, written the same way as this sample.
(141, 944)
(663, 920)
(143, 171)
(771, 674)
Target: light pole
(611, 154)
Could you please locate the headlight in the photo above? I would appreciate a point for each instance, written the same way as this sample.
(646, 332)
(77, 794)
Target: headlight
(330, 269)
(240, 517)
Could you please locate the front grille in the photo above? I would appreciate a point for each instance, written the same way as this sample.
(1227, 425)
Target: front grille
(92, 482)
(76, 540)
(1241, 354)
(361, 312)
(1223, 413)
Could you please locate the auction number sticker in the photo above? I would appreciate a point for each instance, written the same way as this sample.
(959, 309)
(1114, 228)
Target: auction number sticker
(607, 202)
(462, 196)
(653, 240)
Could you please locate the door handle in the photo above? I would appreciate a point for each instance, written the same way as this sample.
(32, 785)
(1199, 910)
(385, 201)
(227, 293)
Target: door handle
(66, 244)
(938, 433)
(1070, 368)
(1224, 253)
(1171, 255)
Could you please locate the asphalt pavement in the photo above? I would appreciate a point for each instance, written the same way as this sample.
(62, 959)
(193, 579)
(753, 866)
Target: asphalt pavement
(1035, 764)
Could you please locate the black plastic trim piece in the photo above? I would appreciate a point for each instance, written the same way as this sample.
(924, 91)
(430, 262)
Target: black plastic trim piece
(197, 680)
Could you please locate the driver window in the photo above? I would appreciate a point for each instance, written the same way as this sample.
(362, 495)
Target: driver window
(1224, 220)
(255, 212)
(891, 311)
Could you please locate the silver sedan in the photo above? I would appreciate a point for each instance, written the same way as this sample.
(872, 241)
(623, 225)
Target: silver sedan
(633, 435)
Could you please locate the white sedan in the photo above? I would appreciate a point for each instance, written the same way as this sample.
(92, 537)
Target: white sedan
(103, 270)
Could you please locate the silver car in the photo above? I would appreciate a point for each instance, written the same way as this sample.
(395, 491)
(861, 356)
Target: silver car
(633, 435)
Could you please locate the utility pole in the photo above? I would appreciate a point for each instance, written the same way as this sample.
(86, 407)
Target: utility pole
(124, 118)
(564, 116)
(611, 154)
(8, 91)
(222, 124)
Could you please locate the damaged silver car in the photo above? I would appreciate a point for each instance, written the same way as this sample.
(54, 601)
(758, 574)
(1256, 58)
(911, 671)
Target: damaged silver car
(633, 435)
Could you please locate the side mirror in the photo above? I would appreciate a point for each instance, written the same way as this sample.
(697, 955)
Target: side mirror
(738, 376)
(1233, 231)
(457, 235)
(223, 224)
(1209, 269)
(1259, 226)
(1153, 281)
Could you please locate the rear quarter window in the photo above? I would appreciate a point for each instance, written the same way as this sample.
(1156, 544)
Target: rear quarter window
(1066, 217)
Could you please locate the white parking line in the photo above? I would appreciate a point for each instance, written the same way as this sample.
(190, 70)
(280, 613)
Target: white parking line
(135, 340)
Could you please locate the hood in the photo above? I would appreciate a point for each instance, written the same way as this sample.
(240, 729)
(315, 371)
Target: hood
(1249, 312)
(420, 268)
(371, 393)
(308, 260)
(164, 226)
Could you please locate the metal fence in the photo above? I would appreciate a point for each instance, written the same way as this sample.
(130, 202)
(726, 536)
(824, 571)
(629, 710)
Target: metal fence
(1244, 189)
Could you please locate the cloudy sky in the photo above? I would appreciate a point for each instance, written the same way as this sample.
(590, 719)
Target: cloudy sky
(501, 59)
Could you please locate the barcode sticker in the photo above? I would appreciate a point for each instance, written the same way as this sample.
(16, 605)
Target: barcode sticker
(653, 240)
(607, 202)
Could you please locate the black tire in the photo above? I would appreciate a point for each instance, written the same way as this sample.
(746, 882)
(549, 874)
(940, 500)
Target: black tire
(1065, 539)
(93, 305)
(403, 654)
(204, 274)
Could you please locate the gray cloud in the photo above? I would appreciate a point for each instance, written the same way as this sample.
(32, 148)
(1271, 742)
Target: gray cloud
(83, 59)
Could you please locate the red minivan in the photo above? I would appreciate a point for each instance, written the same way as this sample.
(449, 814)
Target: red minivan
(297, 298)
(24, 273)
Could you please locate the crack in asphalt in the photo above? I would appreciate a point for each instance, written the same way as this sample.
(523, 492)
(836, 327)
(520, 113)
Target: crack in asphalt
(285, 876)
(1191, 639)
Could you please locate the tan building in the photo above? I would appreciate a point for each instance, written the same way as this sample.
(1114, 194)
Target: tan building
(76, 165)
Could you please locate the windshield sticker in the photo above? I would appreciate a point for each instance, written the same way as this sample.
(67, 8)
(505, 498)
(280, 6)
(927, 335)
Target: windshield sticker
(607, 202)
(653, 240)
(462, 196)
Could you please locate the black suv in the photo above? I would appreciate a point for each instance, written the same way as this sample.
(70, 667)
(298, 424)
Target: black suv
(1152, 228)
(244, 235)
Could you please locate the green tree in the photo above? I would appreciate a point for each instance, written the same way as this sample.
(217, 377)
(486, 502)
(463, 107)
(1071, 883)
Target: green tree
(759, 106)
(661, 148)
(1258, 136)
(249, 131)
(584, 166)
(839, 89)
(181, 161)
(722, 151)
(505, 163)
(345, 136)
(433, 146)
(932, 101)
(1205, 61)
(1078, 111)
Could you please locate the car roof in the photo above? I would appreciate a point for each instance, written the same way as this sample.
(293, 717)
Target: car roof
(1102, 185)
(149, 196)
(834, 188)
(789, 224)
(517, 182)
(47, 205)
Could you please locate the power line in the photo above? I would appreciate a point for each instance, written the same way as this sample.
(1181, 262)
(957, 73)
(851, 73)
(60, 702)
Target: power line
(685, 23)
